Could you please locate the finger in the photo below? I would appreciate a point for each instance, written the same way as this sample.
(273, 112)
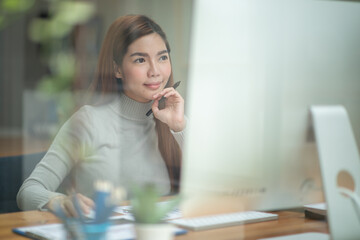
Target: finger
(167, 90)
(55, 203)
(86, 204)
(68, 208)
(163, 92)
(169, 94)
(155, 107)
(88, 201)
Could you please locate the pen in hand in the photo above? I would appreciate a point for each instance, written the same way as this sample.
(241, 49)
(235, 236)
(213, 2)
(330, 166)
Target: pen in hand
(163, 98)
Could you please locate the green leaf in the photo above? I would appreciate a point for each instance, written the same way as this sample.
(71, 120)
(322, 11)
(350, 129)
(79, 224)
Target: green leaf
(73, 13)
(165, 207)
(59, 29)
(46, 85)
(39, 30)
(146, 205)
(13, 6)
(62, 64)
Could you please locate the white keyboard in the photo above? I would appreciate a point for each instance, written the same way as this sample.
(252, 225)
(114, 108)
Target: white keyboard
(223, 220)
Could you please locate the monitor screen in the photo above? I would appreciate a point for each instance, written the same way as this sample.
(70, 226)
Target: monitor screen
(255, 69)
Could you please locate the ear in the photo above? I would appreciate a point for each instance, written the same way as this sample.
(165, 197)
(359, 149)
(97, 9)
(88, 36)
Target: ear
(117, 71)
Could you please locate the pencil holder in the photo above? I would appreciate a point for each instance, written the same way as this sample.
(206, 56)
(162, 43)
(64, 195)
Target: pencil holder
(96, 231)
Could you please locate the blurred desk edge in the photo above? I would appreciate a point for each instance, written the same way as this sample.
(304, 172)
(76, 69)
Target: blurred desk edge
(289, 222)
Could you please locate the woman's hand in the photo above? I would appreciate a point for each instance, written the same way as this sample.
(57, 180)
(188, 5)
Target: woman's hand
(67, 206)
(173, 113)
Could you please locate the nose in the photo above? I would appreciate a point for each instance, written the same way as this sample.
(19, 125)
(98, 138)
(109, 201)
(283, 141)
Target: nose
(154, 70)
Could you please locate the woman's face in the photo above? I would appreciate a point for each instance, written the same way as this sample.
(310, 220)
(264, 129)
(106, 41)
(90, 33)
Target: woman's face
(146, 68)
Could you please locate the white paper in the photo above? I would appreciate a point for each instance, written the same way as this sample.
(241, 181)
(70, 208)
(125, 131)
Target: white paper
(57, 231)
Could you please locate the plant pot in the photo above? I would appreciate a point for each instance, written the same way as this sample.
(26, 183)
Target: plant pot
(161, 231)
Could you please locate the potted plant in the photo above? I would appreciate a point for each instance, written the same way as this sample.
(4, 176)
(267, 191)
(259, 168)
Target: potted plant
(149, 213)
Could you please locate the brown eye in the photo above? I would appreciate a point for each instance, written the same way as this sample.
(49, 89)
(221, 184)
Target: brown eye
(163, 58)
(139, 60)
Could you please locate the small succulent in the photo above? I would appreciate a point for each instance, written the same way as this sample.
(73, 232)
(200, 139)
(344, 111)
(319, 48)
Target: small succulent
(146, 205)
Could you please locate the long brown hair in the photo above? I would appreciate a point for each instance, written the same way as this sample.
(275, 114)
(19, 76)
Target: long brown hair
(122, 32)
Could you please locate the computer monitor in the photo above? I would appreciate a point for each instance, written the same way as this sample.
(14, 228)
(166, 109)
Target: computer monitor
(255, 69)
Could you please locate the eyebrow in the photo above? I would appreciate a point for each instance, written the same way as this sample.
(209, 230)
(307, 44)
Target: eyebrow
(146, 55)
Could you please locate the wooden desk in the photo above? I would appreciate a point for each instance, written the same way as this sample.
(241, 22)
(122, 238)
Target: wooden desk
(12, 145)
(289, 222)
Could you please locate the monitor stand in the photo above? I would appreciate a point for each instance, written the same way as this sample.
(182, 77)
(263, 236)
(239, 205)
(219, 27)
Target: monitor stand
(340, 170)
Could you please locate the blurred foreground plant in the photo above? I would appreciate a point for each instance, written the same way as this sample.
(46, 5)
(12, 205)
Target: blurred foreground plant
(146, 205)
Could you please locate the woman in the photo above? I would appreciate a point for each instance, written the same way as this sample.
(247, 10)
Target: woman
(116, 141)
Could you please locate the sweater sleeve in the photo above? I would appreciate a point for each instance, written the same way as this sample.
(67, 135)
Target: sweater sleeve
(68, 147)
(179, 136)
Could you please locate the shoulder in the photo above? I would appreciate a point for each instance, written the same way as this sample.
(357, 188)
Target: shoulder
(83, 120)
(92, 112)
(94, 117)
(82, 116)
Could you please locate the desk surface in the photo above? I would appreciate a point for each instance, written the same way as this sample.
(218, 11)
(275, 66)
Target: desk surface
(17, 145)
(289, 222)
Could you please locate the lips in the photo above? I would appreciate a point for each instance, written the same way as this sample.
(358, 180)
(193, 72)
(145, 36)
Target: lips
(153, 86)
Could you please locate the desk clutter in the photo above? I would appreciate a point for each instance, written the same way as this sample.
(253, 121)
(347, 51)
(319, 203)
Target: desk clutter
(100, 223)
(290, 222)
(81, 227)
(104, 221)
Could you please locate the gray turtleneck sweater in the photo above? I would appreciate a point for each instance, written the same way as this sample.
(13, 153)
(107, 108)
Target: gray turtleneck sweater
(115, 142)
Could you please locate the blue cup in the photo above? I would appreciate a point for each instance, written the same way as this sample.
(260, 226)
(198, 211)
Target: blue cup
(96, 231)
